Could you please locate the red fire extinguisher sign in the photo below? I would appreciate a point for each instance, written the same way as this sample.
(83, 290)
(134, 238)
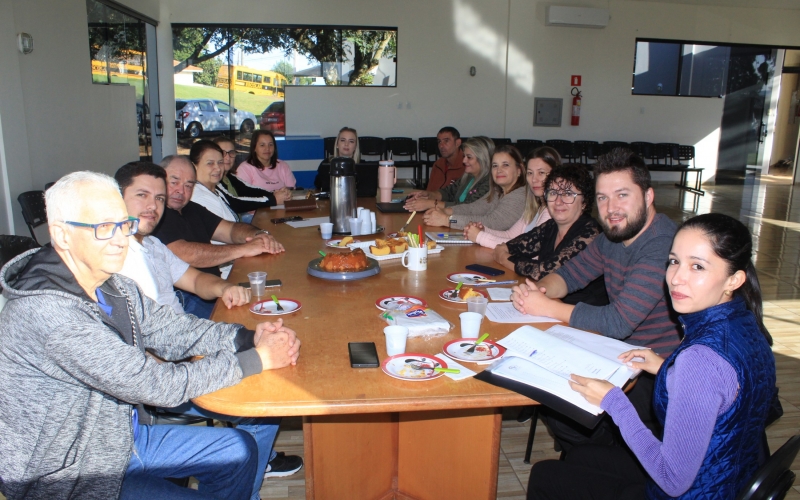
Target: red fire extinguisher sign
(576, 106)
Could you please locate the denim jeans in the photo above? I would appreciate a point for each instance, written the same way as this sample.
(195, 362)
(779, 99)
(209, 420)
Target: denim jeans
(192, 304)
(264, 430)
(223, 460)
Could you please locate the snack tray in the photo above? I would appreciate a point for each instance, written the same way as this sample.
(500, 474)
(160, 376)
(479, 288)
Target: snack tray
(364, 245)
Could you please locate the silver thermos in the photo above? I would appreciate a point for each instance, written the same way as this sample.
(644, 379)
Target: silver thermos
(343, 193)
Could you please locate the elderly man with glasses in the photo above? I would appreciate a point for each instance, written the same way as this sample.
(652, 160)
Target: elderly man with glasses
(74, 373)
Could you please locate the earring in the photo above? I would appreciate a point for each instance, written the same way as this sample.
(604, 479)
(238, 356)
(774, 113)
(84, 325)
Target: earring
(727, 292)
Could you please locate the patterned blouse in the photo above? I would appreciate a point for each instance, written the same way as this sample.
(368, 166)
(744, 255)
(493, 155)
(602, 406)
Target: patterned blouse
(535, 254)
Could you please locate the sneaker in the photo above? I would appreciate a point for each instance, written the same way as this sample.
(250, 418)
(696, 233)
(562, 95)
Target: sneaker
(283, 465)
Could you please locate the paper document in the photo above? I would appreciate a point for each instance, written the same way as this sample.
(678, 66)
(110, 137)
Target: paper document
(499, 293)
(451, 363)
(505, 313)
(314, 221)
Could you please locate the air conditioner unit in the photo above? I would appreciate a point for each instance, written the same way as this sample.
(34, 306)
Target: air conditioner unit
(577, 17)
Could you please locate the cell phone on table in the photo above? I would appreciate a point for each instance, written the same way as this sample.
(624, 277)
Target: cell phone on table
(489, 271)
(286, 219)
(267, 284)
(363, 355)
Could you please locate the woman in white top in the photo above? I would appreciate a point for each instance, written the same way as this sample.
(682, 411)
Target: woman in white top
(206, 157)
(539, 163)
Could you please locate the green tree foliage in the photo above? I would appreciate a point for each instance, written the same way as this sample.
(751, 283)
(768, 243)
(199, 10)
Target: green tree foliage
(284, 68)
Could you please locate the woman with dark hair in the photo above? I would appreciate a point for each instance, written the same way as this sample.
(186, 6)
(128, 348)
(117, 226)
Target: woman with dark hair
(241, 196)
(472, 186)
(501, 207)
(712, 394)
(263, 169)
(569, 193)
(538, 164)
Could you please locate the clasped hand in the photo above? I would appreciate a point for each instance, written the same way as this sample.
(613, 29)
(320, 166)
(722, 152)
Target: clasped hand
(529, 298)
(472, 230)
(263, 242)
(277, 345)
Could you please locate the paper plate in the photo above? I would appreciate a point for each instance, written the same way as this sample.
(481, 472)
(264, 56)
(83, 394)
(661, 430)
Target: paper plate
(268, 307)
(399, 302)
(398, 366)
(366, 244)
(445, 295)
(469, 278)
(486, 351)
(335, 244)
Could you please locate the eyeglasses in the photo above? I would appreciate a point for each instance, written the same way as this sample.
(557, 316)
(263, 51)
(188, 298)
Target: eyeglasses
(567, 197)
(106, 230)
(231, 153)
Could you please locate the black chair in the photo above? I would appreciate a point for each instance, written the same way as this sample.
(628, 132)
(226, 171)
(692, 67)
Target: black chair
(12, 245)
(685, 155)
(669, 150)
(405, 147)
(775, 477)
(609, 145)
(525, 146)
(429, 147)
(501, 140)
(329, 145)
(33, 210)
(583, 149)
(646, 150)
(371, 146)
(565, 149)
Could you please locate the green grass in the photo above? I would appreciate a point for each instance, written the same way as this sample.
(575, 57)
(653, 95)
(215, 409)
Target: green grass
(244, 101)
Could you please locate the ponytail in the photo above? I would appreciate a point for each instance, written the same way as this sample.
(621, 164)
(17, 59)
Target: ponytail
(750, 291)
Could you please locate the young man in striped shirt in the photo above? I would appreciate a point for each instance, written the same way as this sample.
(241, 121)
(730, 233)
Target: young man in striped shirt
(631, 255)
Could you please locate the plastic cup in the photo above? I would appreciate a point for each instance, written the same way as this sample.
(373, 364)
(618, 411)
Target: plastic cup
(257, 281)
(470, 324)
(395, 339)
(355, 226)
(478, 305)
(326, 228)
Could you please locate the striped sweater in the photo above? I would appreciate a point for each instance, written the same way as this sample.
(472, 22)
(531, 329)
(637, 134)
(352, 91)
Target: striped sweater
(634, 276)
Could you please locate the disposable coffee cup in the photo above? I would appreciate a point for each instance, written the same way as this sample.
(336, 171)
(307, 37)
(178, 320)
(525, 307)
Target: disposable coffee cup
(355, 226)
(478, 305)
(326, 228)
(395, 339)
(470, 324)
(257, 281)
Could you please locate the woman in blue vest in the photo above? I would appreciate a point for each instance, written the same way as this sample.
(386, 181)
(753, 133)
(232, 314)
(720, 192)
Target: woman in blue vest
(712, 395)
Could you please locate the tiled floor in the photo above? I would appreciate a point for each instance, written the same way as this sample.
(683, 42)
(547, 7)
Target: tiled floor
(771, 208)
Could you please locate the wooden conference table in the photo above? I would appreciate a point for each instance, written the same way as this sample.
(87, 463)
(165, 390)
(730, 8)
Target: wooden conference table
(367, 435)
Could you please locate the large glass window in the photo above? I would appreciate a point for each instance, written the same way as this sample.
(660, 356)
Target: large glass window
(118, 52)
(263, 60)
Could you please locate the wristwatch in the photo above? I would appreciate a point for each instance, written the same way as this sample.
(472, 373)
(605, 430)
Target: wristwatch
(263, 231)
(451, 220)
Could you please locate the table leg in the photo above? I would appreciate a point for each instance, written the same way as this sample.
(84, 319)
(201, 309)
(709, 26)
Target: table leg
(408, 456)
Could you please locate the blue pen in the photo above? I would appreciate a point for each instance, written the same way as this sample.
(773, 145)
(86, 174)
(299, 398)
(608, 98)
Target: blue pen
(534, 352)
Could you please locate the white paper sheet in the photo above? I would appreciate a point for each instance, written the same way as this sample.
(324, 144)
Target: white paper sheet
(505, 313)
(451, 363)
(314, 221)
(499, 293)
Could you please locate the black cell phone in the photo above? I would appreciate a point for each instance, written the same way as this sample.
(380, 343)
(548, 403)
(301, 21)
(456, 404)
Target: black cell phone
(286, 219)
(267, 284)
(363, 355)
(489, 271)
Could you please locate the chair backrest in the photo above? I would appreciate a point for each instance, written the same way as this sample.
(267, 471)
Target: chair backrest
(330, 145)
(12, 245)
(685, 152)
(429, 147)
(371, 146)
(501, 140)
(773, 479)
(564, 148)
(525, 146)
(401, 146)
(609, 145)
(589, 150)
(33, 210)
(646, 150)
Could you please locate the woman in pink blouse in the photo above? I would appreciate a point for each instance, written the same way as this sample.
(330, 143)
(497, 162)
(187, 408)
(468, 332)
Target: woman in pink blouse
(263, 169)
(538, 164)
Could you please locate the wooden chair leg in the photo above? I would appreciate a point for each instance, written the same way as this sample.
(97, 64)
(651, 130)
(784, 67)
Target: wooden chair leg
(531, 433)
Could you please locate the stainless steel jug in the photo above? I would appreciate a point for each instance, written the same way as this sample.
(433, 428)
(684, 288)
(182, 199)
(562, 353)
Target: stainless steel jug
(343, 193)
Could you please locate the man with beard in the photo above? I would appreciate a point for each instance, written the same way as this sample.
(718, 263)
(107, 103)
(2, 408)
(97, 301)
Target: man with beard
(632, 256)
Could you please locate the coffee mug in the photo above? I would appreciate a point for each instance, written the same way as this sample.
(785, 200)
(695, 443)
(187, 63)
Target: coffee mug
(415, 259)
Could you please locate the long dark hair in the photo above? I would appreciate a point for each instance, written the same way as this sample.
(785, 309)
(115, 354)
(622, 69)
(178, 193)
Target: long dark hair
(252, 158)
(731, 241)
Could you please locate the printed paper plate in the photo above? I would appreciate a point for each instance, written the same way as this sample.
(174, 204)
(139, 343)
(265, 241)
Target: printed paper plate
(399, 302)
(413, 366)
(268, 307)
(447, 294)
(335, 244)
(486, 351)
(469, 278)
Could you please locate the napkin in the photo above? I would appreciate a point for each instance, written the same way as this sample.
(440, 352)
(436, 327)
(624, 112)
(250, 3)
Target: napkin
(451, 363)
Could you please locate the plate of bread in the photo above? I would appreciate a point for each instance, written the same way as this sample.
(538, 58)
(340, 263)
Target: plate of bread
(391, 248)
(460, 296)
(342, 243)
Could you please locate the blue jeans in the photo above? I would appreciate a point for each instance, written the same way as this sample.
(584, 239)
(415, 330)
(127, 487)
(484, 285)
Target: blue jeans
(192, 304)
(223, 460)
(264, 430)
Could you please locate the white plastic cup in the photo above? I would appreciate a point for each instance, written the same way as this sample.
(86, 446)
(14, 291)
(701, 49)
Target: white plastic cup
(415, 259)
(365, 227)
(470, 324)
(326, 228)
(395, 339)
(257, 281)
(355, 226)
(358, 211)
(478, 305)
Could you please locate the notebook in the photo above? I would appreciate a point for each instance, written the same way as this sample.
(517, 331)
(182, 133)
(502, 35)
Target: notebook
(449, 238)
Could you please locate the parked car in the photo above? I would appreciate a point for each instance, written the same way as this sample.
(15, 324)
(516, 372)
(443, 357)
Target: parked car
(274, 118)
(196, 116)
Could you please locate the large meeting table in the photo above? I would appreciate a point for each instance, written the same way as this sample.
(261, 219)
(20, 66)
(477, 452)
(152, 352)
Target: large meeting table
(368, 435)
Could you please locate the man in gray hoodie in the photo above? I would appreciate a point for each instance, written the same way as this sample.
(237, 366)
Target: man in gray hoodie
(74, 373)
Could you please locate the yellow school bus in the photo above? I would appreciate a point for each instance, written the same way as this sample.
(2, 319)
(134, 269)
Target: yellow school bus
(130, 64)
(253, 81)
